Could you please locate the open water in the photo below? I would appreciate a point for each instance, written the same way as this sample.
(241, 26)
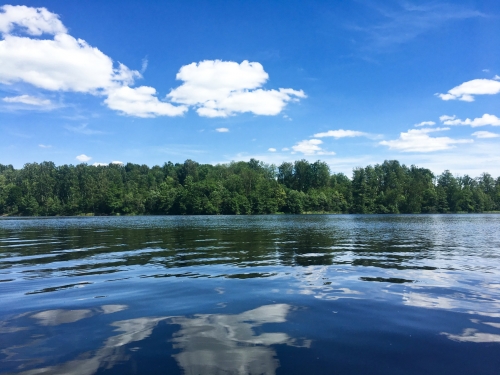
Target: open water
(315, 294)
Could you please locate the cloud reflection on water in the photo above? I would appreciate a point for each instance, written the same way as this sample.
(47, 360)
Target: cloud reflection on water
(208, 343)
(60, 316)
(223, 343)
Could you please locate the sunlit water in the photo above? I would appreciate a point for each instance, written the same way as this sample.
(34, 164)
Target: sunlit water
(251, 295)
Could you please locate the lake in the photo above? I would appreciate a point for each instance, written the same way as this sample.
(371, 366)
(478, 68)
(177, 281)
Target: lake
(316, 294)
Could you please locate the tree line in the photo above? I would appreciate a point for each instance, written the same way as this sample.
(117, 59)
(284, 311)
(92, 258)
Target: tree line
(44, 189)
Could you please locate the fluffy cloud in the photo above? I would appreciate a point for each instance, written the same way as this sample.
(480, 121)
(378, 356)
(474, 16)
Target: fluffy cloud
(311, 147)
(222, 130)
(141, 102)
(83, 158)
(446, 117)
(223, 88)
(341, 133)
(485, 134)
(61, 62)
(27, 99)
(35, 21)
(426, 123)
(485, 120)
(467, 90)
(418, 140)
(271, 149)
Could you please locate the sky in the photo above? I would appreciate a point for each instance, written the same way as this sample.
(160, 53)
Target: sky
(351, 83)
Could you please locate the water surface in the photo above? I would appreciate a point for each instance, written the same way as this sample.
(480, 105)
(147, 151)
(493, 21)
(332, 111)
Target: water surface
(322, 294)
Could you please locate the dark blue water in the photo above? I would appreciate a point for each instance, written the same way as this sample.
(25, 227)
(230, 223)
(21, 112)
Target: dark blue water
(251, 295)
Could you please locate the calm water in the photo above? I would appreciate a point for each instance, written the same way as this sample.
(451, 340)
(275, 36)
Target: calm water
(251, 295)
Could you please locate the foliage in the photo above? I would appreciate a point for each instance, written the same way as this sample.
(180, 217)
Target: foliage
(238, 188)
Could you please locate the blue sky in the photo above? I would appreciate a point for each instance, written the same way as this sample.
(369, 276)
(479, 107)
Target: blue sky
(346, 82)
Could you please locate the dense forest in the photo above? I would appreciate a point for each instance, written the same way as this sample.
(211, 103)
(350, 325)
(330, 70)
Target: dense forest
(238, 188)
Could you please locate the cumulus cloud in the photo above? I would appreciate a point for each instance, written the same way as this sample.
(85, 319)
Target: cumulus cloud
(61, 62)
(467, 90)
(83, 158)
(64, 63)
(485, 120)
(58, 63)
(222, 130)
(35, 21)
(141, 102)
(426, 123)
(223, 88)
(117, 162)
(418, 140)
(311, 147)
(485, 134)
(341, 133)
(446, 117)
(27, 99)
(98, 164)
(271, 149)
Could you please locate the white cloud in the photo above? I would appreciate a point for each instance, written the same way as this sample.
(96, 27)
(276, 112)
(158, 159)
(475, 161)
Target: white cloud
(418, 140)
(144, 64)
(485, 120)
(467, 90)
(99, 164)
(426, 123)
(311, 147)
(485, 134)
(83, 158)
(223, 88)
(446, 117)
(497, 77)
(271, 149)
(63, 63)
(60, 64)
(308, 146)
(222, 130)
(44, 146)
(36, 21)
(68, 64)
(141, 102)
(341, 133)
(27, 99)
